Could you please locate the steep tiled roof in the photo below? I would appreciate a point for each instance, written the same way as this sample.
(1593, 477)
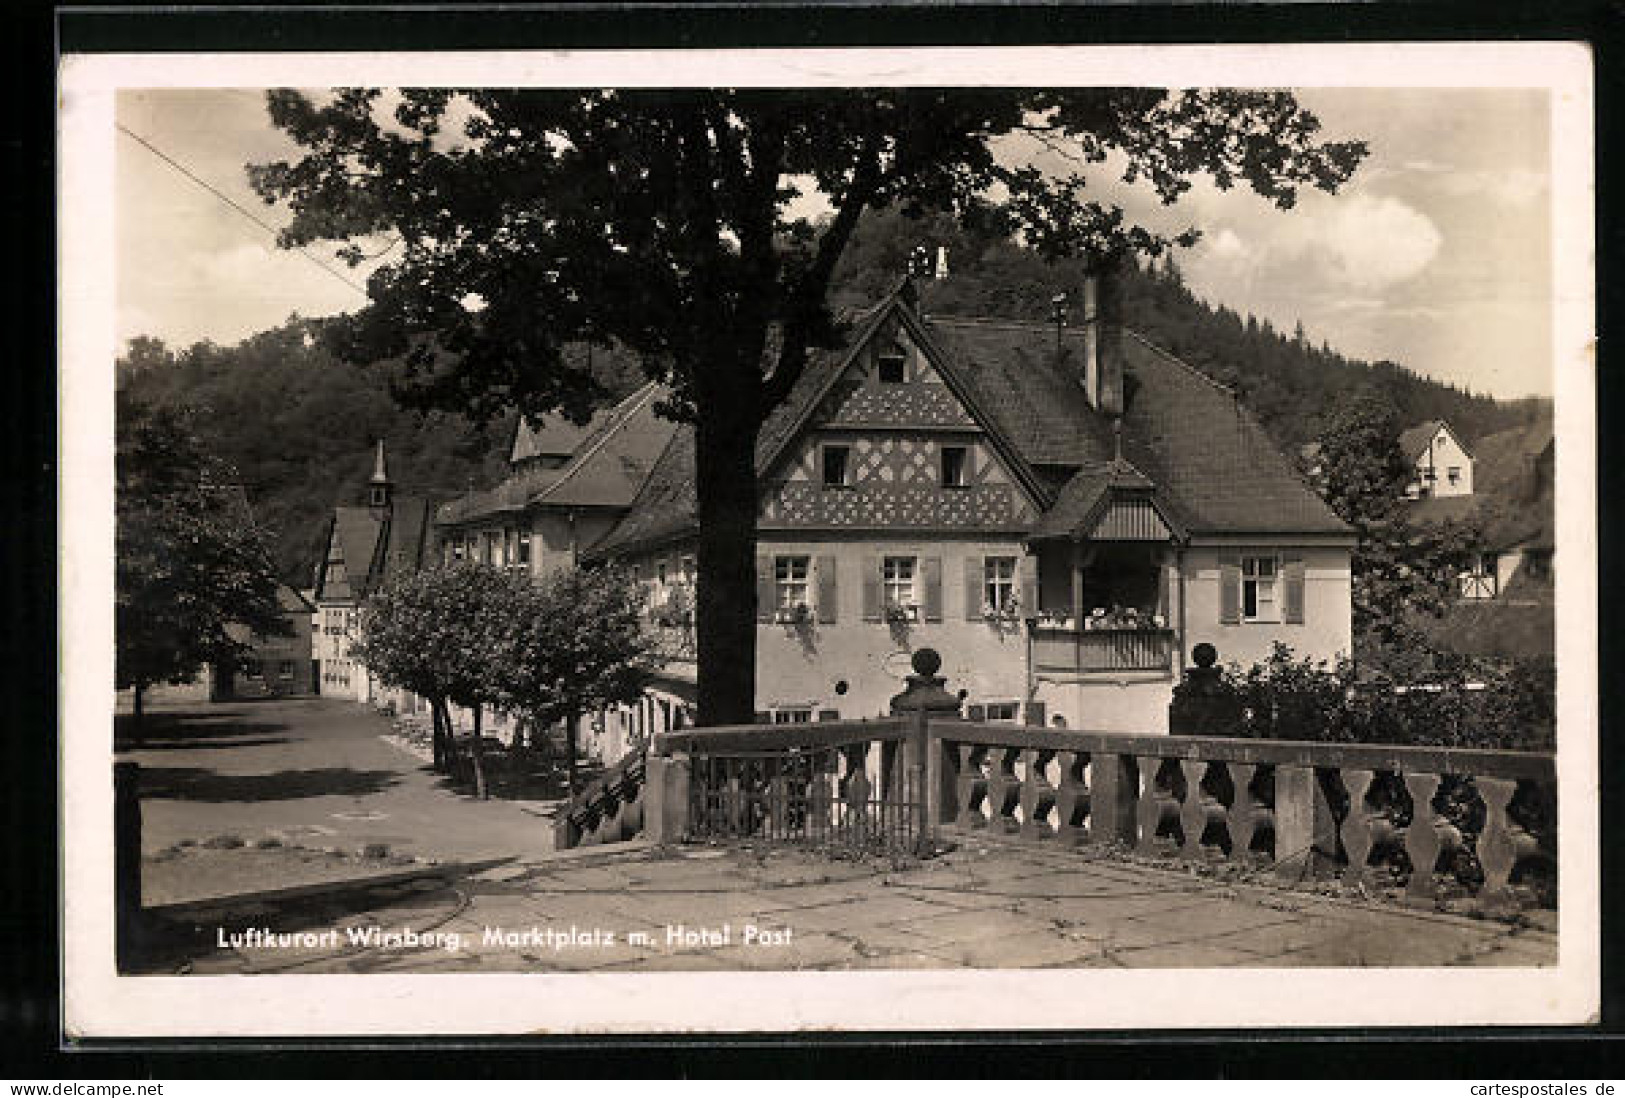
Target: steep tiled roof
(1512, 502)
(1212, 468)
(610, 460)
(1208, 456)
(1414, 440)
(552, 435)
(376, 551)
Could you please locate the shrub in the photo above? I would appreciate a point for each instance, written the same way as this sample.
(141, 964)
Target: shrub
(1460, 703)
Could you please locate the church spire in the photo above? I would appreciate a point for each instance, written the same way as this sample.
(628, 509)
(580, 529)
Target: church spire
(380, 486)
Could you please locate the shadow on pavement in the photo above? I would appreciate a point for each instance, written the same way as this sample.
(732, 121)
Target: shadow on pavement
(176, 731)
(193, 784)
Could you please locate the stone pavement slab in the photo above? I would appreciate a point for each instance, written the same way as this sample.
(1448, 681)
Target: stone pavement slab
(1008, 907)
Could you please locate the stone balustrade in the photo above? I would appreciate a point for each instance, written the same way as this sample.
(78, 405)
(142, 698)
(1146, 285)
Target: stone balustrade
(609, 810)
(1370, 813)
(1283, 803)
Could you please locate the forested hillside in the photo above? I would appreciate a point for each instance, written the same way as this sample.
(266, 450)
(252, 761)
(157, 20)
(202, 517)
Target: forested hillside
(298, 425)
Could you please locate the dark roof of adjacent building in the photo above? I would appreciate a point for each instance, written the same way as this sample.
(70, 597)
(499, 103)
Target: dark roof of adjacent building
(1186, 438)
(1414, 440)
(378, 545)
(611, 458)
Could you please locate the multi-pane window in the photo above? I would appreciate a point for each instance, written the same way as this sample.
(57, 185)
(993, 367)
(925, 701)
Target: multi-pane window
(1001, 711)
(790, 581)
(524, 547)
(837, 462)
(999, 582)
(891, 365)
(251, 669)
(1259, 576)
(1454, 474)
(897, 581)
(284, 669)
(953, 466)
(793, 715)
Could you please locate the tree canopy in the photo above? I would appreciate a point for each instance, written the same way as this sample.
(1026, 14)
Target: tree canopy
(1400, 569)
(519, 222)
(190, 560)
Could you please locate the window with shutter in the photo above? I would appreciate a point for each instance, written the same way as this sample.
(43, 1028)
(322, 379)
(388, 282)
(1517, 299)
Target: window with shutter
(973, 588)
(1292, 593)
(766, 596)
(1229, 589)
(828, 593)
(1035, 713)
(931, 601)
(871, 589)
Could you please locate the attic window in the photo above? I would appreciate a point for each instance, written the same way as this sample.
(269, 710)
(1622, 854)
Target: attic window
(837, 466)
(890, 365)
(953, 467)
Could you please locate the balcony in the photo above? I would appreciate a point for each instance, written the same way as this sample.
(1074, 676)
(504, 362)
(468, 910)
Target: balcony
(1074, 651)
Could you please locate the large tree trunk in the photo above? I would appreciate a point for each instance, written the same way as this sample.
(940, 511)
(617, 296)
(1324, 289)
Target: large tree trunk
(138, 730)
(480, 789)
(571, 749)
(725, 612)
(442, 734)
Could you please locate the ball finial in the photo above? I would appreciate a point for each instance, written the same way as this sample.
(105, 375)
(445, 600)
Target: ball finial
(1205, 655)
(926, 662)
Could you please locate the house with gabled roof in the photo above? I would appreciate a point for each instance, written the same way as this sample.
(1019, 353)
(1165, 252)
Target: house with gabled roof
(1062, 513)
(365, 547)
(1444, 467)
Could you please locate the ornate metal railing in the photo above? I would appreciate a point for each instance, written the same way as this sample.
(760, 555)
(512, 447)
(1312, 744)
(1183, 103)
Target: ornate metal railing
(1413, 812)
(1101, 650)
(841, 784)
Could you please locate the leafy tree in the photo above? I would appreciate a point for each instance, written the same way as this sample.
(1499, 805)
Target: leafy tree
(576, 643)
(1400, 568)
(437, 632)
(190, 561)
(662, 221)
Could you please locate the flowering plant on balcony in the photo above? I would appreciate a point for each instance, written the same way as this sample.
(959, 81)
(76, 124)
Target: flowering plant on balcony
(902, 613)
(1003, 615)
(799, 614)
(1055, 619)
(1122, 617)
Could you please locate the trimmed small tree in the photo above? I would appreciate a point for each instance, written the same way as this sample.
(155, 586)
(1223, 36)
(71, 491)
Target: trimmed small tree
(576, 643)
(439, 633)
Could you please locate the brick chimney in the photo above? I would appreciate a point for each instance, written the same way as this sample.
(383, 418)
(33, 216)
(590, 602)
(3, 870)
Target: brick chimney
(1103, 338)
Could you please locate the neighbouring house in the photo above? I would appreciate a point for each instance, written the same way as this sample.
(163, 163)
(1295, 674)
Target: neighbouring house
(274, 666)
(365, 547)
(1444, 468)
(1061, 513)
(1508, 606)
(567, 486)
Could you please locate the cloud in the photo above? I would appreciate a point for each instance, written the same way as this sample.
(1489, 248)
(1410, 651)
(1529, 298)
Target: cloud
(1510, 188)
(1226, 245)
(1364, 242)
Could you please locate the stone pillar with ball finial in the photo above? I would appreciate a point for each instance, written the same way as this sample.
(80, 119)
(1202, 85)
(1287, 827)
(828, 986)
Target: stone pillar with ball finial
(924, 700)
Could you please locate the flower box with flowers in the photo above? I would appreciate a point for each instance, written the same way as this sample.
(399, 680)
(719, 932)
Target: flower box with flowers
(798, 614)
(902, 613)
(1123, 619)
(1006, 614)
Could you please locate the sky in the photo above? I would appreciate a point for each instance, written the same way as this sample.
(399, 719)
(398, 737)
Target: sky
(1437, 255)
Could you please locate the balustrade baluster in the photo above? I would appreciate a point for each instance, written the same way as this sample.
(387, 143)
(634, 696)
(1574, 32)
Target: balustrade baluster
(972, 791)
(1037, 794)
(1245, 814)
(1003, 789)
(1497, 843)
(1423, 839)
(1357, 832)
(1071, 798)
(1153, 805)
(1193, 811)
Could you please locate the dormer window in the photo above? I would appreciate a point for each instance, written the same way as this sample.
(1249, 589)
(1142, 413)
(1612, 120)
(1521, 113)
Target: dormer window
(953, 466)
(890, 365)
(837, 466)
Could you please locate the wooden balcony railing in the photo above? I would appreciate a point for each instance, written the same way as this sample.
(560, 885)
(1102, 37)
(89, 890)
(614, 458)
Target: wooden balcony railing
(1083, 650)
